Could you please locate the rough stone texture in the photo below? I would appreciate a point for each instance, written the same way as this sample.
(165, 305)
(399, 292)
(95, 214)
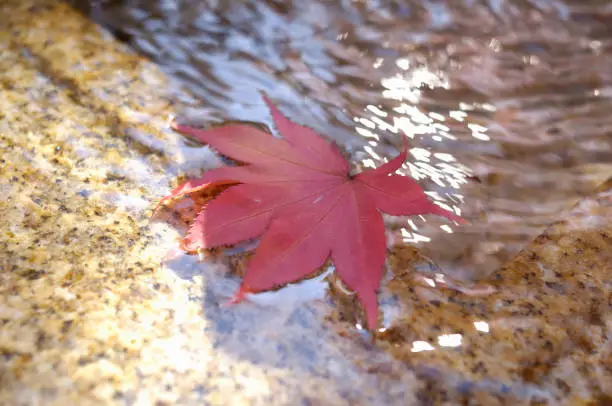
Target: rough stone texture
(548, 321)
(88, 314)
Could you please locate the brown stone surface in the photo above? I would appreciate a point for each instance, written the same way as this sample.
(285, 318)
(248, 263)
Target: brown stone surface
(544, 332)
(88, 315)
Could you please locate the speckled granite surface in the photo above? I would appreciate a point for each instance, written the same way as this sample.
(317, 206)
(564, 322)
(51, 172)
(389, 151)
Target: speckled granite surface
(543, 333)
(88, 315)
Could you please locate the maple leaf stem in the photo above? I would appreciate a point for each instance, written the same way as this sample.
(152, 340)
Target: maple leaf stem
(239, 295)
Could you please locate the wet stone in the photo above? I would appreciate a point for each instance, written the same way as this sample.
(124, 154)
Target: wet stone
(542, 330)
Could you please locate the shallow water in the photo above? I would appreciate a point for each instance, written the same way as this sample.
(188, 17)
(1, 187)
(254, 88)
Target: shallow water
(516, 94)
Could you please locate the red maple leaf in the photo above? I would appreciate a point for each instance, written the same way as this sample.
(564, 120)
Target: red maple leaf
(298, 194)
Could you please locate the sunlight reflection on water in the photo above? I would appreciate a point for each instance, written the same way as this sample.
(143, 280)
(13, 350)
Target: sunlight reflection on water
(440, 170)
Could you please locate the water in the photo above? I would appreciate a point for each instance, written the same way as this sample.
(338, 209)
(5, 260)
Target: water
(507, 104)
(514, 93)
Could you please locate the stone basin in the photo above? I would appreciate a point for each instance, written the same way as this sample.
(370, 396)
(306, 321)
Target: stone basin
(91, 314)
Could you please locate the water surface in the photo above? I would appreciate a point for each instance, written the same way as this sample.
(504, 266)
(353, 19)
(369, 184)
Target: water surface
(515, 93)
